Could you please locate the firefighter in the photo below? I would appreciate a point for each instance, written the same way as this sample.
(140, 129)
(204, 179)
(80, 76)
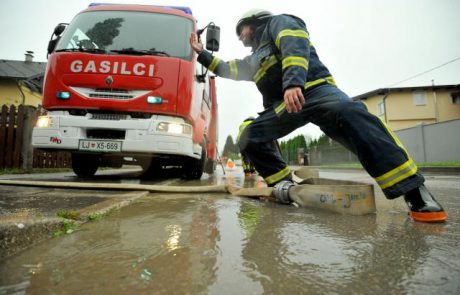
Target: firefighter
(248, 167)
(297, 88)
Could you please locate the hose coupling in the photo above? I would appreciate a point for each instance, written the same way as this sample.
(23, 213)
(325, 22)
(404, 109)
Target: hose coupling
(281, 191)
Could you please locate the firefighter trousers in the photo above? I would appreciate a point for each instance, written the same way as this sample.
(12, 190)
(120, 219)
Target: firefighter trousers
(342, 119)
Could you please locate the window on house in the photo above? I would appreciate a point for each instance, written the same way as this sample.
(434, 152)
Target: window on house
(419, 98)
(455, 97)
(380, 108)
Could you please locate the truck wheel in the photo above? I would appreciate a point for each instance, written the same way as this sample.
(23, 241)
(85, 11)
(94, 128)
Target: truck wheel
(209, 167)
(154, 169)
(85, 165)
(193, 168)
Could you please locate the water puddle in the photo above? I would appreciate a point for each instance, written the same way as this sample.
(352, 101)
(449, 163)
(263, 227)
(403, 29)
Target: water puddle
(220, 244)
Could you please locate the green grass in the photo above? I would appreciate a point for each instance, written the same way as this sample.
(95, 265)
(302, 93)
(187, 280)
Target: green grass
(67, 214)
(95, 217)
(67, 228)
(439, 164)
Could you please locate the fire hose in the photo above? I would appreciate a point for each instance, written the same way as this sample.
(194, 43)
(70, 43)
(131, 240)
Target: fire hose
(348, 197)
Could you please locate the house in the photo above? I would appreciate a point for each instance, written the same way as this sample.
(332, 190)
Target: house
(407, 107)
(21, 82)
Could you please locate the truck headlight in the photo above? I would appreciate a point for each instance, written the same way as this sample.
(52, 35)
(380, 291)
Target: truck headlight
(175, 128)
(44, 122)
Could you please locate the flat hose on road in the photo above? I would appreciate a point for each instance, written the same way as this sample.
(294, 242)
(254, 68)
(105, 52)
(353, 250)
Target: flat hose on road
(341, 196)
(119, 186)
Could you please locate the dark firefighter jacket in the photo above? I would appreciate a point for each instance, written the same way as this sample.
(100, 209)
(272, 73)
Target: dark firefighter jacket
(284, 58)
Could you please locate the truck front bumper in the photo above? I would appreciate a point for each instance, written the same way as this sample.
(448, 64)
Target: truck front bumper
(156, 135)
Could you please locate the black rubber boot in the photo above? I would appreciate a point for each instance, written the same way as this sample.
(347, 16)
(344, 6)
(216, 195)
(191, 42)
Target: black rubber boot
(423, 207)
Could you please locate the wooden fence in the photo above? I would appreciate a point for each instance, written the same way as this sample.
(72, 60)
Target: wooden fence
(16, 151)
(47, 159)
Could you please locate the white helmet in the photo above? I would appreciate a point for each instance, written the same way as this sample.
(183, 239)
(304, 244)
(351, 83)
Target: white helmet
(252, 16)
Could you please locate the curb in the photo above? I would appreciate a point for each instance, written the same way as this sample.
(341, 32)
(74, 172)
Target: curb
(18, 233)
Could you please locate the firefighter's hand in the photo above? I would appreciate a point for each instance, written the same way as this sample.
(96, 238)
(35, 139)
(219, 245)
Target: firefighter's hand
(294, 100)
(196, 43)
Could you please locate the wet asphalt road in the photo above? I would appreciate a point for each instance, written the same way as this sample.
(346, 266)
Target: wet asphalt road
(220, 244)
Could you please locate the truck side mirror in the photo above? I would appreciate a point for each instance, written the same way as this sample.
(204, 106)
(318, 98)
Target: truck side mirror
(212, 37)
(57, 34)
(59, 29)
(51, 45)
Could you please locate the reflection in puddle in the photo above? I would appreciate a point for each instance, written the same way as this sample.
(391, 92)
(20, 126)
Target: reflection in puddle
(174, 233)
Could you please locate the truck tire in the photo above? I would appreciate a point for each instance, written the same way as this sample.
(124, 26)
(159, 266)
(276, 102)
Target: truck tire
(85, 165)
(210, 166)
(154, 169)
(193, 168)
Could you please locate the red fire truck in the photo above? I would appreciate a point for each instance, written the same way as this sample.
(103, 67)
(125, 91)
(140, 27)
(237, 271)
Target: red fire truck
(123, 86)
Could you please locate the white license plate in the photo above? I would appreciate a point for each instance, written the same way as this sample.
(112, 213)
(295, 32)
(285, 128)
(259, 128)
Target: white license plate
(99, 145)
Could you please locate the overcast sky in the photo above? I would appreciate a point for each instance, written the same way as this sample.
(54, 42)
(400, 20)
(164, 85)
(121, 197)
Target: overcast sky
(366, 44)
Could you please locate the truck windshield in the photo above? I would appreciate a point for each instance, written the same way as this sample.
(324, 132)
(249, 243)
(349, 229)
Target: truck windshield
(128, 32)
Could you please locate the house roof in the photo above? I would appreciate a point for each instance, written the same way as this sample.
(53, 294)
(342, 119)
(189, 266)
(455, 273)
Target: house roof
(16, 69)
(385, 91)
(29, 73)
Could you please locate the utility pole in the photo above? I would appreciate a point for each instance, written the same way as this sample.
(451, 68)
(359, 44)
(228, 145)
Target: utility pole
(435, 100)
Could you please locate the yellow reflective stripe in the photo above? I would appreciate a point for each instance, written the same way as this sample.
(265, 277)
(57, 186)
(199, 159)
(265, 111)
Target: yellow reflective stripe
(290, 33)
(396, 175)
(278, 176)
(215, 62)
(313, 83)
(281, 107)
(395, 138)
(241, 129)
(365, 104)
(329, 80)
(233, 69)
(394, 171)
(271, 61)
(295, 61)
(399, 173)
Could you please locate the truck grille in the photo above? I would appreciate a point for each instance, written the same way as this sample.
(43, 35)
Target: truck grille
(110, 93)
(105, 134)
(114, 117)
(107, 115)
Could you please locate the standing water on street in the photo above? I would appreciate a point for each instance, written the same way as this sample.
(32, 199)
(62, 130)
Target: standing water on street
(220, 244)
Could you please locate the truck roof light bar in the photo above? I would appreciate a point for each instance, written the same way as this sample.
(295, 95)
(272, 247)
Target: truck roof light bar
(97, 4)
(185, 9)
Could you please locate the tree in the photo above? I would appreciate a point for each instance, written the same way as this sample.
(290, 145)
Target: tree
(323, 140)
(104, 32)
(230, 149)
(290, 148)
